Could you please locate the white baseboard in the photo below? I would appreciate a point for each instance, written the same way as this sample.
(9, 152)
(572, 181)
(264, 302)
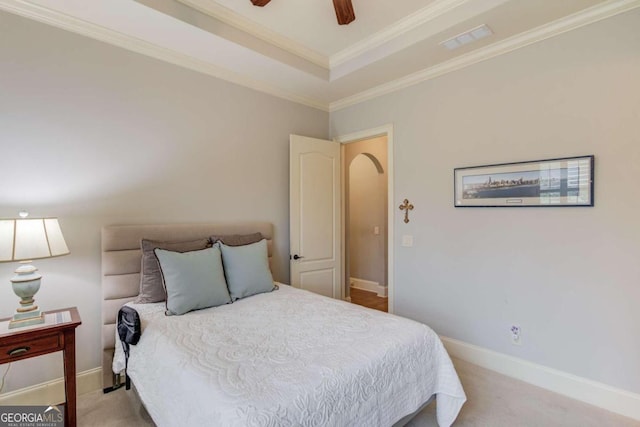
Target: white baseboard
(368, 285)
(52, 392)
(595, 393)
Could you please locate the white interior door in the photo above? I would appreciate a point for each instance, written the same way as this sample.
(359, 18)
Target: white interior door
(314, 204)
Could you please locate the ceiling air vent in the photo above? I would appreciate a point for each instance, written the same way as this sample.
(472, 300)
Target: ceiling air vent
(472, 35)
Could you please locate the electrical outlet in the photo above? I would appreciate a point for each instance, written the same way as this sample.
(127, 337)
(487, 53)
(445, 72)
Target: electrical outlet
(516, 335)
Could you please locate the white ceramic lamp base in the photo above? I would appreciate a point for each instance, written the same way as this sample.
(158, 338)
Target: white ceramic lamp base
(26, 284)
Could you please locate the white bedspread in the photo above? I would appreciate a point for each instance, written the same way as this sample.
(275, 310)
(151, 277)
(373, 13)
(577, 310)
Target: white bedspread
(288, 358)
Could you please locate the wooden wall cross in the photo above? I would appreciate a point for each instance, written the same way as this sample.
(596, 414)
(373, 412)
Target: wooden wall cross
(406, 207)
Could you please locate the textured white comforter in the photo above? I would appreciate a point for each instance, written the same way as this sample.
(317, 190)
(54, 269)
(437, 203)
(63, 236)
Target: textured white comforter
(288, 358)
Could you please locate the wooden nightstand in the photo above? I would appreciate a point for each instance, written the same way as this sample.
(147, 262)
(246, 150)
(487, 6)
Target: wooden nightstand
(23, 343)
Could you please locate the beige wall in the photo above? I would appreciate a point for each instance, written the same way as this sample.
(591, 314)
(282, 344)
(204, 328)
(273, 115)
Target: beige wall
(366, 193)
(569, 276)
(98, 135)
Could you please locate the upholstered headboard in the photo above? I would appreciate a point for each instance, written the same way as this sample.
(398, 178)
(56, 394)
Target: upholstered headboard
(121, 257)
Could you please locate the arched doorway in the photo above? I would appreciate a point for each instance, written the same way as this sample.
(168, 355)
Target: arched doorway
(366, 223)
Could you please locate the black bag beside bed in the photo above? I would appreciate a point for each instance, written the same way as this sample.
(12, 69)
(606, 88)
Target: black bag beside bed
(129, 333)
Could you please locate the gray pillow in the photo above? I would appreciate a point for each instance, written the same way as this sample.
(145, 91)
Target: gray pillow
(151, 288)
(237, 239)
(247, 269)
(193, 280)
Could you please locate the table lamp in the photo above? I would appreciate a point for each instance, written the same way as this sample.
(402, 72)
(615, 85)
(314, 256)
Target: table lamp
(24, 240)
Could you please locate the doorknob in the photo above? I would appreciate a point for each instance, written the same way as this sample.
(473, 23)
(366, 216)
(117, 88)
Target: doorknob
(297, 257)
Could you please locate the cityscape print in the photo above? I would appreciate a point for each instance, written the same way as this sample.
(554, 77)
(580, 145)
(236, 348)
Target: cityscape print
(560, 182)
(567, 181)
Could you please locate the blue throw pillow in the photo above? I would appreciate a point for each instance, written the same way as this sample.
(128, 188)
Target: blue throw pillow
(193, 280)
(247, 269)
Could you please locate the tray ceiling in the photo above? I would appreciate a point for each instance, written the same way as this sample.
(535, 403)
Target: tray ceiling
(295, 49)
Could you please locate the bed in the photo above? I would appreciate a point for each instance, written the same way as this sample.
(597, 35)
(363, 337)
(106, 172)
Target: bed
(286, 357)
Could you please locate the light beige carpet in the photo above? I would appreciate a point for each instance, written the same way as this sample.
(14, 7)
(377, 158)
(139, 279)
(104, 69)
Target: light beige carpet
(493, 400)
(496, 400)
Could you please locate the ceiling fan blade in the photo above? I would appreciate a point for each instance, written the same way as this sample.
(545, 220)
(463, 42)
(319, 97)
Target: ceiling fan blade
(260, 2)
(344, 11)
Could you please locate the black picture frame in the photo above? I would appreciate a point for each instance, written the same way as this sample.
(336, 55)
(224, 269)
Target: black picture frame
(566, 181)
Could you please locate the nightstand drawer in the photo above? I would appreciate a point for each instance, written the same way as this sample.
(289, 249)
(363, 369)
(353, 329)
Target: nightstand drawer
(28, 348)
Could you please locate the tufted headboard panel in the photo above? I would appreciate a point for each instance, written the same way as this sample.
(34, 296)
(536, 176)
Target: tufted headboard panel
(121, 259)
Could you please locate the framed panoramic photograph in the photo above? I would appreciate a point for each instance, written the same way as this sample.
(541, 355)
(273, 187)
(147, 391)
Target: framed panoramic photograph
(554, 182)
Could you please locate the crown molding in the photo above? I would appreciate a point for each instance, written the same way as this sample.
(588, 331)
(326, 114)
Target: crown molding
(543, 32)
(78, 26)
(431, 12)
(134, 44)
(238, 21)
(416, 19)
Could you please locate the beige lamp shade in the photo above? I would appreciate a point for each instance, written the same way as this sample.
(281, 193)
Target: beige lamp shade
(29, 239)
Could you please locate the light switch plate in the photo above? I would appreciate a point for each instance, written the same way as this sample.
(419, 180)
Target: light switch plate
(407, 240)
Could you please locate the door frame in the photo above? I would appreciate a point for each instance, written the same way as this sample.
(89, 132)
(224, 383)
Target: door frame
(359, 136)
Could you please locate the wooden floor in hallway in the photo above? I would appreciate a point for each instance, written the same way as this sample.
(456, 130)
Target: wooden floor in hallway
(369, 299)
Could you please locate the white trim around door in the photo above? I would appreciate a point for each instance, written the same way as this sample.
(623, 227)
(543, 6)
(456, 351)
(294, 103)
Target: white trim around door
(359, 136)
